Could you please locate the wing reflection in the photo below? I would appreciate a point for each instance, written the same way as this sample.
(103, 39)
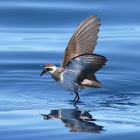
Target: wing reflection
(78, 121)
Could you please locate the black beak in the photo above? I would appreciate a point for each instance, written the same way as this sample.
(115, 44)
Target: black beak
(42, 73)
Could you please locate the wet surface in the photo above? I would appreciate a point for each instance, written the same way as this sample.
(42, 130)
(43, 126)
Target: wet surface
(36, 33)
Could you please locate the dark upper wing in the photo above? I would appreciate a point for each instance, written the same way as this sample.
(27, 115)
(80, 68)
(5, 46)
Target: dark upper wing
(91, 81)
(79, 68)
(83, 40)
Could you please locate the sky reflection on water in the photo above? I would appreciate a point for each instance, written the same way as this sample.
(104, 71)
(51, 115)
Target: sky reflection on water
(33, 33)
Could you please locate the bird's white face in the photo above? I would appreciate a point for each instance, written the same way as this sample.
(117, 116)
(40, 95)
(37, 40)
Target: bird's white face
(49, 69)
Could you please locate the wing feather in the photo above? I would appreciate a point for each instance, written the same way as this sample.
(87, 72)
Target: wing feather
(84, 24)
(83, 40)
(91, 81)
(83, 66)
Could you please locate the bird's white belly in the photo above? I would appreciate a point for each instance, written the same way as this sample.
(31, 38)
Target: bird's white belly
(69, 84)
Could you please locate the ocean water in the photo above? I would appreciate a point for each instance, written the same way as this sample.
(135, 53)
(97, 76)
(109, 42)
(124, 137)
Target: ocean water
(34, 33)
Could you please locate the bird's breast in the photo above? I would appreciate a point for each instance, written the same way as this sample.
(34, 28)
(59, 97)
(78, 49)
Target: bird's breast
(68, 83)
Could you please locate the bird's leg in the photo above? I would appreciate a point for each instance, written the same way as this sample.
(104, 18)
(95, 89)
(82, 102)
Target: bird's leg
(76, 97)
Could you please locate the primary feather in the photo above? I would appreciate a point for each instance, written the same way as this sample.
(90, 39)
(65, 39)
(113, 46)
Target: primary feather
(83, 40)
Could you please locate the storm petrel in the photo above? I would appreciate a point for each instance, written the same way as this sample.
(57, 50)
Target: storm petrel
(79, 64)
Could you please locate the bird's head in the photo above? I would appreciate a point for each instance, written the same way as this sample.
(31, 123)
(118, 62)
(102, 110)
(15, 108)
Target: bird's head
(48, 68)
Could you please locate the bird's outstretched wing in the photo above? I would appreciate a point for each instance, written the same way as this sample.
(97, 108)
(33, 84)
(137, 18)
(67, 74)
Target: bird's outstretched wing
(83, 40)
(90, 81)
(81, 67)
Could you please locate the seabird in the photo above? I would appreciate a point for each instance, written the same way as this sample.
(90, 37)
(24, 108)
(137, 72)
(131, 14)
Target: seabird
(75, 119)
(79, 64)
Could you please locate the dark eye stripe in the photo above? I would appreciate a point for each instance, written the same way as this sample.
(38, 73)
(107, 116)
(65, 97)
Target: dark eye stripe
(47, 69)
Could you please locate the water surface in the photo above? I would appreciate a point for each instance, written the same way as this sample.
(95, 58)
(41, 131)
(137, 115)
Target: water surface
(34, 33)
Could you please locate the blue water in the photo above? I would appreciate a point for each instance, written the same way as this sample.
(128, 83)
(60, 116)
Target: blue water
(34, 33)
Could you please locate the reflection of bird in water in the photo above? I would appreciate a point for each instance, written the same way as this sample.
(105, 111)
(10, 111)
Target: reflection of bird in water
(78, 121)
(79, 64)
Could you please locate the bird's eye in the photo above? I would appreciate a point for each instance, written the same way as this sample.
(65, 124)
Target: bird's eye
(47, 69)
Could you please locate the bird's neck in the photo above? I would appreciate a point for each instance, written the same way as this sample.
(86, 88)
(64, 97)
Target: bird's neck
(56, 75)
